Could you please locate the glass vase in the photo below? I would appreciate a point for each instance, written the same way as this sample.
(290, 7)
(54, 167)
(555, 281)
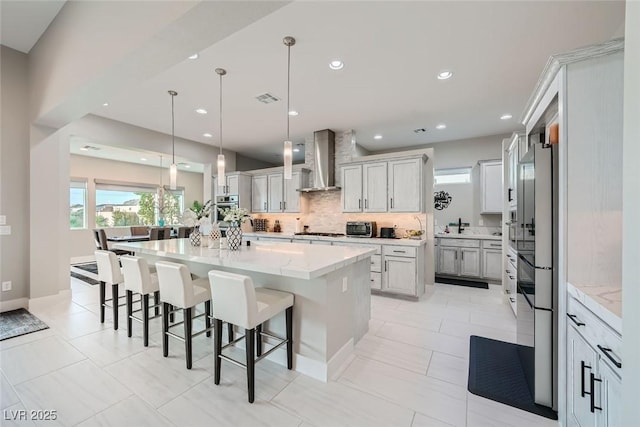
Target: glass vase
(234, 237)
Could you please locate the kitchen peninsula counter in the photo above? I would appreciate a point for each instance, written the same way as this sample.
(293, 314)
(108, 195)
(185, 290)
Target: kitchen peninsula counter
(341, 239)
(330, 285)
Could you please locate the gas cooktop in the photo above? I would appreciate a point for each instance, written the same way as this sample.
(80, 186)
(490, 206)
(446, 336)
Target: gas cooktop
(317, 233)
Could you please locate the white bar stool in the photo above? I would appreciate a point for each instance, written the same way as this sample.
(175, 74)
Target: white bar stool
(237, 301)
(139, 279)
(178, 289)
(109, 273)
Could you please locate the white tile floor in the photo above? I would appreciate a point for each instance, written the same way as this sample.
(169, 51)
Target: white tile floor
(409, 370)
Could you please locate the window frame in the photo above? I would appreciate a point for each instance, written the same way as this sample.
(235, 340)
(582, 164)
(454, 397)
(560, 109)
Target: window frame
(460, 175)
(80, 183)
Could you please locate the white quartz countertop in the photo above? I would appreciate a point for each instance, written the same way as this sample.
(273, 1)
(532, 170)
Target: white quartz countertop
(604, 301)
(363, 240)
(468, 236)
(297, 260)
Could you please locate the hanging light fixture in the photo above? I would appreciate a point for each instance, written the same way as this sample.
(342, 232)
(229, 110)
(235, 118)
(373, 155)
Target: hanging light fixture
(221, 163)
(173, 169)
(288, 145)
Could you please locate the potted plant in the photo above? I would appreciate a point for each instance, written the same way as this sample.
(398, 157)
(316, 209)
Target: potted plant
(234, 216)
(195, 216)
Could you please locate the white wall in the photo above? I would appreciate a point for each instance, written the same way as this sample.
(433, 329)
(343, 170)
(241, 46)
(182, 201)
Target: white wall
(14, 174)
(91, 168)
(244, 163)
(631, 216)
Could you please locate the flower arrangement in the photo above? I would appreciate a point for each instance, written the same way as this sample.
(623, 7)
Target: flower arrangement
(196, 215)
(237, 215)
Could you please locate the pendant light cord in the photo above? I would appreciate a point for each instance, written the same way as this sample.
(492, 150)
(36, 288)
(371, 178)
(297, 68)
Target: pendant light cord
(173, 133)
(220, 113)
(288, 86)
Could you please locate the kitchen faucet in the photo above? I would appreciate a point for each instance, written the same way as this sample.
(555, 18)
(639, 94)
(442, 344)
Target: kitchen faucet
(460, 228)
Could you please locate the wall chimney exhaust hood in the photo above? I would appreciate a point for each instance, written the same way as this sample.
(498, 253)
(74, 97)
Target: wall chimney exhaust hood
(324, 162)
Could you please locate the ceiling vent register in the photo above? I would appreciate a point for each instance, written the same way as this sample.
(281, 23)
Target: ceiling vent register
(267, 98)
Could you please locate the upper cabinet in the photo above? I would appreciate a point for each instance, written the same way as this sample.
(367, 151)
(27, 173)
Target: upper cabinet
(259, 193)
(237, 183)
(491, 187)
(511, 165)
(272, 193)
(384, 185)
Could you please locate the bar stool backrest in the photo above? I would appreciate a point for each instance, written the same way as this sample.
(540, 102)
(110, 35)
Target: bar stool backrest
(137, 277)
(234, 298)
(175, 284)
(108, 267)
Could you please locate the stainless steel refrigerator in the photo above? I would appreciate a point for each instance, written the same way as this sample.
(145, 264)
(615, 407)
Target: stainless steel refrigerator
(537, 261)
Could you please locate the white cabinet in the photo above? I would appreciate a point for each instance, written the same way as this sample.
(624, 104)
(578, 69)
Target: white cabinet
(594, 369)
(404, 185)
(273, 193)
(394, 185)
(399, 274)
(510, 281)
(491, 187)
(259, 195)
(492, 260)
(236, 183)
(512, 174)
(459, 257)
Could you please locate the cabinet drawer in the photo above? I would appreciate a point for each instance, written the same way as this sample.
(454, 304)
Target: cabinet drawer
(404, 251)
(595, 331)
(361, 245)
(375, 263)
(491, 244)
(376, 280)
(460, 243)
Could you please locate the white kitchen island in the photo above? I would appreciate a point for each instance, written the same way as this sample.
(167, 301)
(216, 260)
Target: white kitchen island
(331, 286)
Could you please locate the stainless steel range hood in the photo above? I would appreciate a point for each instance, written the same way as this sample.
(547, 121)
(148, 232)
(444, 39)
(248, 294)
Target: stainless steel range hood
(324, 162)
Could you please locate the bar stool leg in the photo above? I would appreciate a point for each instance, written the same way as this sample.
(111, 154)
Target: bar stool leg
(251, 362)
(171, 316)
(259, 340)
(156, 302)
(145, 319)
(102, 300)
(207, 316)
(187, 335)
(217, 362)
(165, 329)
(230, 333)
(115, 301)
(289, 326)
(129, 312)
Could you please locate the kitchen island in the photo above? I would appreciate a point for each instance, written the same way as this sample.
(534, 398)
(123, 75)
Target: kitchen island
(331, 286)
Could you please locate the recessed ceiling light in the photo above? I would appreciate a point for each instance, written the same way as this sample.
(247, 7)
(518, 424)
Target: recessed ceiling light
(106, 104)
(187, 166)
(336, 65)
(444, 75)
(143, 159)
(377, 136)
(296, 150)
(207, 135)
(441, 126)
(84, 148)
(201, 111)
(293, 113)
(505, 116)
(194, 56)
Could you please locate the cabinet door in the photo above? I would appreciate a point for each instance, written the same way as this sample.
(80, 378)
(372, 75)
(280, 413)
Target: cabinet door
(448, 260)
(580, 364)
(259, 193)
(491, 187)
(609, 398)
(470, 262)
(232, 184)
(492, 264)
(404, 185)
(436, 256)
(352, 188)
(399, 275)
(513, 175)
(275, 199)
(291, 196)
(374, 177)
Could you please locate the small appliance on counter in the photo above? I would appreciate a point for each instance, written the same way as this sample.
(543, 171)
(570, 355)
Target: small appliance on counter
(361, 229)
(387, 233)
(260, 224)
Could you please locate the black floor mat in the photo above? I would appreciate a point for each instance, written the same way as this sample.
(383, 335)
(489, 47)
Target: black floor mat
(495, 372)
(19, 322)
(84, 278)
(91, 267)
(462, 282)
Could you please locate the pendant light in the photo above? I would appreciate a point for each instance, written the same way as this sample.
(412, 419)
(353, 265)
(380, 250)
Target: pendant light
(221, 163)
(173, 169)
(288, 146)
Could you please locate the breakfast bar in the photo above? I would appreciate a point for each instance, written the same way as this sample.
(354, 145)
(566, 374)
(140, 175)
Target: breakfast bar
(331, 287)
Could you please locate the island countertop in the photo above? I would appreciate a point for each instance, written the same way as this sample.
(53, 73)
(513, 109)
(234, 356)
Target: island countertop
(285, 259)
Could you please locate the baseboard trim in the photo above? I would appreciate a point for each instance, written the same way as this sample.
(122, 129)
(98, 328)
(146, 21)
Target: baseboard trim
(14, 304)
(43, 302)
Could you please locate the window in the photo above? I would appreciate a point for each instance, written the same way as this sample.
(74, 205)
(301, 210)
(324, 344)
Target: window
(77, 204)
(453, 176)
(124, 204)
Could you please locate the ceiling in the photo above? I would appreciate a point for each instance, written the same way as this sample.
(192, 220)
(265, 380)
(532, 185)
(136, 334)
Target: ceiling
(392, 52)
(23, 22)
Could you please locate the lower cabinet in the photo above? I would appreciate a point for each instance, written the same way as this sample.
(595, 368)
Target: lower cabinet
(459, 257)
(594, 370)
(399, 275)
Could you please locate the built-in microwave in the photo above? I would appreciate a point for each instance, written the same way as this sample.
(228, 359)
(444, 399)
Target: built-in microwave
(361, 229)
(223, 202)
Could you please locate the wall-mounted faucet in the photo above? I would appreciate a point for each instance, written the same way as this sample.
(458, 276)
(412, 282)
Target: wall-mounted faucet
(460, 227)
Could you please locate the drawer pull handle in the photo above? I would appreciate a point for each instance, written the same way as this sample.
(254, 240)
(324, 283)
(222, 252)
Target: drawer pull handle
(607, 352)
(512, 300)
(400, 252)
(593, 394)
(573, 318)
(511, 277)
(582, 382)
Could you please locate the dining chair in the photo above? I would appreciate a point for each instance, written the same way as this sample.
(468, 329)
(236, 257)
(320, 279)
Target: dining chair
(139, 230)
(184, 232)
(103, 244)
